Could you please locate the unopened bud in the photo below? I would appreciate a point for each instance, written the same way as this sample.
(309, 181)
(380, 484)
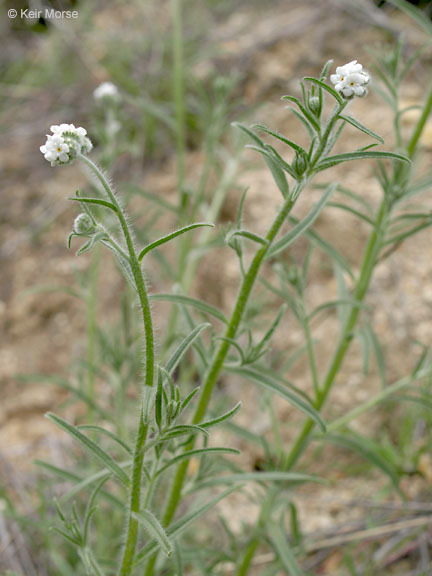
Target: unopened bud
(83, 224)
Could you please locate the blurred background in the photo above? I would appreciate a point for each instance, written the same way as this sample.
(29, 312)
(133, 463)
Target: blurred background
(239, 57)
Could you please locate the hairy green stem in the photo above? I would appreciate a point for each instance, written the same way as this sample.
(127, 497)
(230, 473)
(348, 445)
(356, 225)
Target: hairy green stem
(220, 355)
(138, 458)
(412, 145)
(362, 285)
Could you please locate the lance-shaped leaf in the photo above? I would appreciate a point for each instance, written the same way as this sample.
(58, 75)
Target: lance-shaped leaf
(188, 301)
(302, 226)
(171, 236)
(325, 87)
(360, 127)
(97, 201)
(368, 450)
(183, 347)
(339, 158)
(222, 418)
(273, 385)
(280, 137)
(108, 433)
(198, 452)
(272, 476)
(155, 530)
(180, 525)
(282, 547)
(92, 447)
(245, 234)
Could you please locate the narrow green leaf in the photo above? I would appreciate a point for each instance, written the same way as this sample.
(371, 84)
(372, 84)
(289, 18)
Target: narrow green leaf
(188, 301)
(397, 238)
(312, 121)
(335, 303)
(155, 530)
(180, 525)
(282, 547)
(360, 127)
(185, 403)
(280, 137)
(183, 429)
(278, 175)
(273, 385)
(417, 15)
(302, 226)
(106, 433)
(93, 448)
(325, 87)
(183, 347)
(249, 132)
(198, 452)
(171, 236)
(98, 201)
(351, 210)
(378, 352)
(273, 476)
(246, 234)
(339, 158)
(368, 450)
(223, 418)
(315, 238)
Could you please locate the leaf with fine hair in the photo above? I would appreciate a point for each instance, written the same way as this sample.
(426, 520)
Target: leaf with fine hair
(325, 87)
(108, 433)
(302, 226)
(180, 525)
(360, 127)
(347, 157)
(280, 137)
(198, 452)
(92, 447)
(183, 347)
(274, 386)
(246, 234)
(368, 450)
(171, 236)
(97, 201)
(280, 543)
(155, 530)
(222, 418)
(271, 476)
(188, 301)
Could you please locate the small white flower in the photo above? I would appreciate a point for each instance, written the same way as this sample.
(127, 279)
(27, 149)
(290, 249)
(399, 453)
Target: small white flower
(55, 150)
(106, 91)
(350, 80)
(65, 143)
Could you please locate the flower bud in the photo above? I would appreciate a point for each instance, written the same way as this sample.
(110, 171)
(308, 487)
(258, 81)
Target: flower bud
(300, 163)
(315, 105)
(83, 225)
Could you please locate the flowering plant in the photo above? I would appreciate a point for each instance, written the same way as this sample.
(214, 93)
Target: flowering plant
(168, 436)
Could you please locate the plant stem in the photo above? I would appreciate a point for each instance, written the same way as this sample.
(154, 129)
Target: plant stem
(138, 458)
(362, 285)
(412, 145)
(220, 355)
(178, 88)
(91, 321)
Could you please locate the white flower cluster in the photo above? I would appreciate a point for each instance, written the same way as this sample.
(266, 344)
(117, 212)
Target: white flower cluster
(106, 91)
(65, 143)
(350, 80)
